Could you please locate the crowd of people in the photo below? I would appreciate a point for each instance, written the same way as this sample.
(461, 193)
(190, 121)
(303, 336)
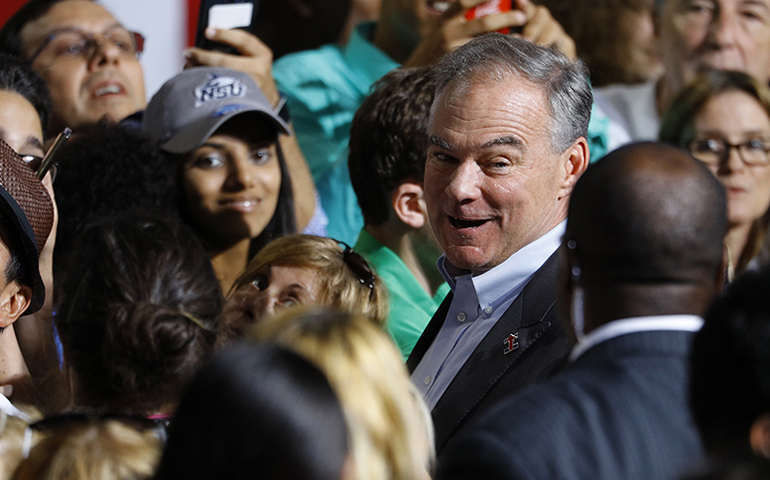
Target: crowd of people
(413, 242)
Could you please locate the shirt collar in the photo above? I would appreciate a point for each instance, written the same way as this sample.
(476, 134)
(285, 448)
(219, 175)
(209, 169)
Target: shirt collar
(370, 62)
(624, 326)
(496, 285)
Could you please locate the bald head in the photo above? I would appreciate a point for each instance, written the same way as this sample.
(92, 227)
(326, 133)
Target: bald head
(648, 214)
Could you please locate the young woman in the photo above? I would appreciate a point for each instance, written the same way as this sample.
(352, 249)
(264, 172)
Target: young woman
(235, 186)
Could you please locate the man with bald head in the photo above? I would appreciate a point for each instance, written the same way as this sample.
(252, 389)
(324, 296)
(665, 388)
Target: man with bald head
(642, 260)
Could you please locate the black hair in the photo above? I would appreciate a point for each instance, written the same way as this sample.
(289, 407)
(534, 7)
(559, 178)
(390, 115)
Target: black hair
(140, 312)
(17, 77)
(389, 139)
(730, 366)
(14, 269)
(257, 411)
(10, 34)
(103, 171)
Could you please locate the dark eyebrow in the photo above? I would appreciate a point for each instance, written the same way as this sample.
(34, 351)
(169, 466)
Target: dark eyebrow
(440, 143)
(35, 142)
(503, 141)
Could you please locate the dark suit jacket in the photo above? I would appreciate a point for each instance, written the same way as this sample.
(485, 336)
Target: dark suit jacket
(490, 375)
(619, 412)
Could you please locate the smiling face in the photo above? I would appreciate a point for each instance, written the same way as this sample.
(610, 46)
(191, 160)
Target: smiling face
(20, 124)
(231, 183)
(272, 288)
(84, 88)
(719, 34)
(737, 117)
(492, 181)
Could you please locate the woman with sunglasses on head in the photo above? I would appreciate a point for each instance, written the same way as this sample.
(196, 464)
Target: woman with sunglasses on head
(303, 269)
(223, 135)
(723, 119)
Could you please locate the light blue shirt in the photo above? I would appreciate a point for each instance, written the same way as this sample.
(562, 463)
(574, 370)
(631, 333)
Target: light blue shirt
(479, 302)
(324, 88)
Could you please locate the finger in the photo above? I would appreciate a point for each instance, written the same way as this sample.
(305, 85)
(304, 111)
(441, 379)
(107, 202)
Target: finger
(490, 23)
(198, 56)
(246, 43)
(458, 8)
(525, 6)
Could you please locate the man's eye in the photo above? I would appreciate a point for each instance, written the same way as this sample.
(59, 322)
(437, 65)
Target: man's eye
(289, 302)
(72, 46)
(757, 144)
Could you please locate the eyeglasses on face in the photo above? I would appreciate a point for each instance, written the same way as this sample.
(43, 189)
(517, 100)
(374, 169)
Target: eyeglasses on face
(359, 267)
(34, 162)
(716, 151)
(70, 44)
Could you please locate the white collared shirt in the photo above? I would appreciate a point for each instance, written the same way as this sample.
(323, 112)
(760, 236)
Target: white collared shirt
(479, 302)
(624, 326)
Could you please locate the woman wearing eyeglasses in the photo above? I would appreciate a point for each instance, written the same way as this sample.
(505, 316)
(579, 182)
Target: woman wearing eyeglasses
(723, 119)
(303, 269)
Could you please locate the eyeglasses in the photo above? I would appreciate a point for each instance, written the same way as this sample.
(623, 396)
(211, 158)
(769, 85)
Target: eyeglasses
(157, 426)
(72, 43)
(716, 151)
(359, 267)
(34, 162)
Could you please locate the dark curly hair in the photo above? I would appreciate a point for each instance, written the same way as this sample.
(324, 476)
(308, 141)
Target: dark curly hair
(140, 312)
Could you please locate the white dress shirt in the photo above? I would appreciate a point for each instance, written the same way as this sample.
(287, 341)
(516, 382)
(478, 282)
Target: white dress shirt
(624, 326)
(479, 302)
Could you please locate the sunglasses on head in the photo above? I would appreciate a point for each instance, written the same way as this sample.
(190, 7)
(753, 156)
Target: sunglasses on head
(359, 267)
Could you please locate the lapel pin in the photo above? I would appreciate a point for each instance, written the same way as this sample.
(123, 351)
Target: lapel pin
(511, 343)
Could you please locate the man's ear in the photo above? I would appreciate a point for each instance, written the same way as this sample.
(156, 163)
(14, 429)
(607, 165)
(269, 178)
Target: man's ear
(409, 205)
(574, 161)
(14, 300)
(759, 435)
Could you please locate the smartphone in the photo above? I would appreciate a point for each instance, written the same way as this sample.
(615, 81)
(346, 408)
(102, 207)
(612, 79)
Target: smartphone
(224, 14)
(490, 8)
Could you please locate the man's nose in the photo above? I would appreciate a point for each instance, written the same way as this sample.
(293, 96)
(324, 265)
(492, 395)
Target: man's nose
(463, 186)
(723, 28)
(103, 51)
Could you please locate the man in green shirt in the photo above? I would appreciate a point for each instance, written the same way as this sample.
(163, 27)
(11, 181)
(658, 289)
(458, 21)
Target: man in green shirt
(388, 145)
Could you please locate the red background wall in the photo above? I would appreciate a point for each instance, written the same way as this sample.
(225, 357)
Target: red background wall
(9, 8)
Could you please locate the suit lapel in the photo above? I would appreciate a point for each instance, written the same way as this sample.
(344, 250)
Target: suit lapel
(489, 362)
(429, 334)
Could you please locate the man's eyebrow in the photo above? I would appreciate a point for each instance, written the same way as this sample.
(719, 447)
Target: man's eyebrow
(503, 141)
(59, 30)
(440, 143)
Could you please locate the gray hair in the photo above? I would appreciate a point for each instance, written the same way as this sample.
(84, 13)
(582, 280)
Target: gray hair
(495, 57)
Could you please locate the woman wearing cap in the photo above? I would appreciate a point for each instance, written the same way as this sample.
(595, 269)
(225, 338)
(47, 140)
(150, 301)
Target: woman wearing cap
(236, 190)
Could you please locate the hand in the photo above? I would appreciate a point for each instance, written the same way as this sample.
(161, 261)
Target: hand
(451, 30)
(541, 28)
(255, 59)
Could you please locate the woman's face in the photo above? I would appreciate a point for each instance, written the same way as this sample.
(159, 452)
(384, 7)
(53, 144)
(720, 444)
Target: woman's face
(231, 183)
(271, 289)
(737, 118)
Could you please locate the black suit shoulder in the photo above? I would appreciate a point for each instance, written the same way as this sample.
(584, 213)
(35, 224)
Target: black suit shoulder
(603, 418)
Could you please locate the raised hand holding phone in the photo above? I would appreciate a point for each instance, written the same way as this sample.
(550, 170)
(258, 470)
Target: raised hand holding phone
(453, 29)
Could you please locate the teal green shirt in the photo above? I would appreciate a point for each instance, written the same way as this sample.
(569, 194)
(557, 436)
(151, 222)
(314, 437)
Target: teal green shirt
(324, 88)
(411, 308)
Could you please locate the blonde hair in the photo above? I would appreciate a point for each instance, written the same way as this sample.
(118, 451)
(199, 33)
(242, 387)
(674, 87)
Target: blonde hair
(340, 289)
(390, 433)
(93, 450)
(12, 429)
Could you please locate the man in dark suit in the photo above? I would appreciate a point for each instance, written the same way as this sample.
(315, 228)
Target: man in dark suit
(507, 143)
(643, 258)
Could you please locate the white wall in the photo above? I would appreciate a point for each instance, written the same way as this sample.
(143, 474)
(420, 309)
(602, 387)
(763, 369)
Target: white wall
(164, 24)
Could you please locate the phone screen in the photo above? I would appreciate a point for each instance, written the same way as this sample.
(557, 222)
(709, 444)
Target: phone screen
(224, 14)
